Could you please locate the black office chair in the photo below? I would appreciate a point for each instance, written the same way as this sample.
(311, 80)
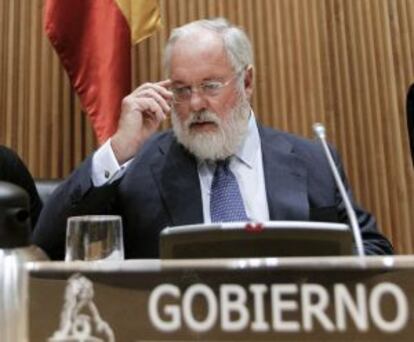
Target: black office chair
(45, 187)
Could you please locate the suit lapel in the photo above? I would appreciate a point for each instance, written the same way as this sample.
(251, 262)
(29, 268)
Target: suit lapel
(179, 184)
(285, 178)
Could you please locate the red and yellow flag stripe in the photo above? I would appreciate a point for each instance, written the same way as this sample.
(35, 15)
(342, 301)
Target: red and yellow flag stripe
(93, 39)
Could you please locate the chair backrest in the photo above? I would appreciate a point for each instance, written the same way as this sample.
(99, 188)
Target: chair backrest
(45, 187)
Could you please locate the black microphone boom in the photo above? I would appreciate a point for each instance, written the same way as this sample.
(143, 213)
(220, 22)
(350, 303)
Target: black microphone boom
(319, 130)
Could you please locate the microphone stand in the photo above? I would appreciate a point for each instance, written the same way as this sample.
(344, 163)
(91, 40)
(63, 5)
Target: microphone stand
(319, 130)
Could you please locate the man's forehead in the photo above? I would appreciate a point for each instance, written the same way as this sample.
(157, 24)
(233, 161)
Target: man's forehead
(199, 54)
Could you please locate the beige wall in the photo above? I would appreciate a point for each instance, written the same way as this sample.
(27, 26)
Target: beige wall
(347, 63)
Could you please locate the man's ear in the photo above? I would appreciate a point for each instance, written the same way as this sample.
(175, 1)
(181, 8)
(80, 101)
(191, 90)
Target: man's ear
(249, 80)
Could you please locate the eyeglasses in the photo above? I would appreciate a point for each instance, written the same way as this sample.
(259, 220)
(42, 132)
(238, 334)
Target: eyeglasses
(207, 88)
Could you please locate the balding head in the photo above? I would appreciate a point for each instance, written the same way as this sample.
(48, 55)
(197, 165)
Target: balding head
(235, 42)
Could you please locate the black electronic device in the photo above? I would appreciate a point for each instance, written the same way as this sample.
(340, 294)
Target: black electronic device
(244, 239)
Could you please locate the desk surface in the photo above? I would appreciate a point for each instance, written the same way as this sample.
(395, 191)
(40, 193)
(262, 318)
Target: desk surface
(379, 263)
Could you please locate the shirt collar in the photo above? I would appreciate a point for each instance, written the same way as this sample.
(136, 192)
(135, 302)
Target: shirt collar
(248, 150)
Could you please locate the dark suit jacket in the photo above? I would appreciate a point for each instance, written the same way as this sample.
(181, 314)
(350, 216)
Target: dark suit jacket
(161, 188)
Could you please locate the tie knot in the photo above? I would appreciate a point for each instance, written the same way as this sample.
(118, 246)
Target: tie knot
(222, 165)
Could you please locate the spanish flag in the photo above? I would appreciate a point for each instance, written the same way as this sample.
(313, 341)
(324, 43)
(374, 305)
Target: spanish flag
(93, 39)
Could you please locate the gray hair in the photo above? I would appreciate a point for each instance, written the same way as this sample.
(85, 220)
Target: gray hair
(236, 43)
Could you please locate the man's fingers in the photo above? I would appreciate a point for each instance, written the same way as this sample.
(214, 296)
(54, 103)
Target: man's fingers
(165, 83)
(151, 93)
(153, 110)
(159, 87)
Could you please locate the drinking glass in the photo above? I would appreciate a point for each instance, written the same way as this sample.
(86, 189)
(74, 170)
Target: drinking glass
(94, 237)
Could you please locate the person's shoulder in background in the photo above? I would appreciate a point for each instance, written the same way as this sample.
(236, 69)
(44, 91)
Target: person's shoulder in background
(13, 170)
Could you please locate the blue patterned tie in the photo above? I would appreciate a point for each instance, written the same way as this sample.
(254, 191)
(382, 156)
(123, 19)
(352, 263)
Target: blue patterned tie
(226, 204)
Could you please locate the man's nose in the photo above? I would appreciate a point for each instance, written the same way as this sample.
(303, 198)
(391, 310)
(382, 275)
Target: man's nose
(197, 101)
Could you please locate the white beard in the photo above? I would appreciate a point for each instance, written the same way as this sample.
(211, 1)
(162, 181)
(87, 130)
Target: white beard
(217, 145)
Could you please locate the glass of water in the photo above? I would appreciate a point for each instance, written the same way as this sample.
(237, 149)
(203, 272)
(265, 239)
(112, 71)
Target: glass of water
(94, 237)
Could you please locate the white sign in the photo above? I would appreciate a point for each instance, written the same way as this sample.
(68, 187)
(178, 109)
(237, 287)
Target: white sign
(310, 302)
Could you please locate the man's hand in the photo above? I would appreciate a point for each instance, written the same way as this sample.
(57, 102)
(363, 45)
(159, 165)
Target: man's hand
(141, 114)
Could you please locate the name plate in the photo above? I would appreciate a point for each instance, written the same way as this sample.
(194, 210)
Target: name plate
(233, 299)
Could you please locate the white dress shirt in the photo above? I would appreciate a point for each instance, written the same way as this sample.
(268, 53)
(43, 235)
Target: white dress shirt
(246, 164)
(105, 166)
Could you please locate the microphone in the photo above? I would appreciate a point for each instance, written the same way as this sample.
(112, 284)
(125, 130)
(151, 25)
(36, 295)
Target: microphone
(320, 132)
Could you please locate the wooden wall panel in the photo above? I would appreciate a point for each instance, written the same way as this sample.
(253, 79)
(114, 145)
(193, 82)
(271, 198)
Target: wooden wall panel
(347, 63)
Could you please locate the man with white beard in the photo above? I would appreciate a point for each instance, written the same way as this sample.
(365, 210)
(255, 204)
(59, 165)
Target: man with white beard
(217, 164)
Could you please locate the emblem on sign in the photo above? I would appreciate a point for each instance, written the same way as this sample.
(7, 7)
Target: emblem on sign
(80, 319)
